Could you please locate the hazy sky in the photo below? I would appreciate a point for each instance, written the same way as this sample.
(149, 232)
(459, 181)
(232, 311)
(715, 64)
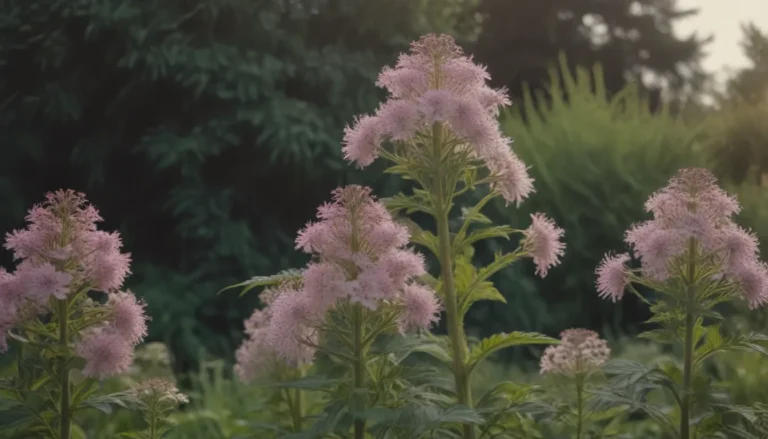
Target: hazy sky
(721, 19)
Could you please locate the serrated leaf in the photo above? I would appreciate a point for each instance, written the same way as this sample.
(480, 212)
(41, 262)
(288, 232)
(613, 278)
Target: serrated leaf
(104, 403)
(496, 342)
(747, 342)
(472, 285)
(408, 203)
(482, 234)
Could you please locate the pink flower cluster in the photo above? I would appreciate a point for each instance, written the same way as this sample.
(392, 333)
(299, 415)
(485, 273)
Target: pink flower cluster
(542, 242)
(580, 351)
(255, 358)
(61, 251)
(437, 83)
(360, 256)
(62, 231)
(108, 348)
(690, 206)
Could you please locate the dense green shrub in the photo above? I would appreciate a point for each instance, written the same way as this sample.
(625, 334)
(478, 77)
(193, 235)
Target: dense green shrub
(595, 160)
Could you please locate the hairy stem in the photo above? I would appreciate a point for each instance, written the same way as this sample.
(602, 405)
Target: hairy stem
(64, 405)
(685, 406)
(359, 368)
(455, 325)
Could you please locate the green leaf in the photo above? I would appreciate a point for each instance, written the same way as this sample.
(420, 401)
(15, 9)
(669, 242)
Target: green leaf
(714, 343)
(472, 285)
(104, 403)
(496, 342)
(419, 202)
(37, 384)
(264, 281)
(485, 233)
(77, 432)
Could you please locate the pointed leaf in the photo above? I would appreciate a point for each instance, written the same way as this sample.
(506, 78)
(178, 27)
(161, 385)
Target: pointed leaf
(265, 281)
(496, 342)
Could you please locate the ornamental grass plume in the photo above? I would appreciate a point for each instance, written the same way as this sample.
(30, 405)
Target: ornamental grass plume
(44, 303)
(693, 253)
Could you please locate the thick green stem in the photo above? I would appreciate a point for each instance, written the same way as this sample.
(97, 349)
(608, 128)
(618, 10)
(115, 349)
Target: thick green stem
(64, 405)
(153, 426)
(359, 368)
(455, 325)
(685, 406)
(296, 405)
(579, 406)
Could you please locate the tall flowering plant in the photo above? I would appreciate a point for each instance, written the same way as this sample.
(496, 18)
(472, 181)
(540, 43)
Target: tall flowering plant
(67, 341)
(258, 361)
(361, 283)
(438, 127)
(575, 361)
(696, 258)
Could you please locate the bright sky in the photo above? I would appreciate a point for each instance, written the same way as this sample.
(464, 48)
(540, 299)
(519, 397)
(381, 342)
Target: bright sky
(721, 19)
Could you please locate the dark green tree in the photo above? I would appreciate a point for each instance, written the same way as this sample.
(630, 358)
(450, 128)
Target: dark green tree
(632, 40)
(206, 130)
(738, 129)
(750, 84)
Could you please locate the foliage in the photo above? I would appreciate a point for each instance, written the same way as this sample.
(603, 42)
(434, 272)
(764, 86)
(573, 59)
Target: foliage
(181, 118)
(520, 40)
(594, 161)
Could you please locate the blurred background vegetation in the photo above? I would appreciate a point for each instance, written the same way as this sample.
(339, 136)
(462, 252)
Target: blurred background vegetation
(208, 131)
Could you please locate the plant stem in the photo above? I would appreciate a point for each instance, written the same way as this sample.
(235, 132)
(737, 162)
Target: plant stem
(579, 406)
(688, 348)
(153, 426)
(359, 368)
(64, 408)
(295, 401)
(455, 325)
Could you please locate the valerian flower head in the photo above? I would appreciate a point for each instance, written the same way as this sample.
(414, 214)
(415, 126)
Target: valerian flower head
(542, 243)
(612, 276)
(361, 252)
(290, 332)
(256, 358)
(128, 317)
(63, 254)
(62, 231)
(421, 308)
(360, 256)
(693, 209)
(160, 394)
(580, 351)
(106, 353)
(437, 83)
